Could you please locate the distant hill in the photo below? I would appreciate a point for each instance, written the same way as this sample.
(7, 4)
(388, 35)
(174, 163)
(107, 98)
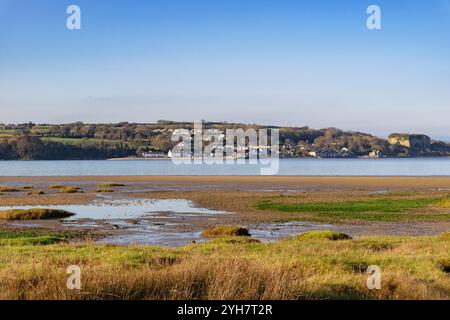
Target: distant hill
(101, 141)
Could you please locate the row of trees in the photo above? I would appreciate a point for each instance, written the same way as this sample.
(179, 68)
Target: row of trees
(33, 148)
(100, 141)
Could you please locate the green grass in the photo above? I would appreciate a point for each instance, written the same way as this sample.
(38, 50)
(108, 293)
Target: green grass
(31, 241)
(56, 186)
(328, 235)
(11, 238)
(33, 214)
(9, 189)
(75, 141)
(378, 209)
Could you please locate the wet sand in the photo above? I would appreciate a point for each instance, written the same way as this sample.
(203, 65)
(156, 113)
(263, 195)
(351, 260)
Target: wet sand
(225, 181)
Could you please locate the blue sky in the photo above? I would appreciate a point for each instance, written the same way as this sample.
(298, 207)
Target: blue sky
(285, 62)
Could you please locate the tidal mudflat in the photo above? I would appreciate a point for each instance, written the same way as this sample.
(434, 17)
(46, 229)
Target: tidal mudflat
(174, 210)
(305, 237)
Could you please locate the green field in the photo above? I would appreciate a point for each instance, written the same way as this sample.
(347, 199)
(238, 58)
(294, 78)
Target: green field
(74, 141)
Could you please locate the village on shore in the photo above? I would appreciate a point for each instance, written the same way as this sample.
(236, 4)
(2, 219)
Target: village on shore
(30, 141)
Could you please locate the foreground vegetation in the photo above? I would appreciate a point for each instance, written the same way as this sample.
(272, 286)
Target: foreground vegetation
(319, 265)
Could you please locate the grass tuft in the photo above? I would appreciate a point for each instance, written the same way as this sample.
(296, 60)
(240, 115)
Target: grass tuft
(225, 231)
(326, 235)
(56, 186)
(33, 214)
(36, 192)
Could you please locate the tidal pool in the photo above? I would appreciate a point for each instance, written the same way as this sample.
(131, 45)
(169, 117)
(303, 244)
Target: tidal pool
(166, 222)
(126, 209)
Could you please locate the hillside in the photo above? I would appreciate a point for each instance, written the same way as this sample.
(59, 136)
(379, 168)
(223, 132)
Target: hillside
(101, 141)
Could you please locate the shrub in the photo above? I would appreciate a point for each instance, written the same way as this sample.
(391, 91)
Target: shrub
(69, 189)
(8, 189)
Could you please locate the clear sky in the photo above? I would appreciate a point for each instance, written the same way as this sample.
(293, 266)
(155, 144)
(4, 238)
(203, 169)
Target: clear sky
(284, 62)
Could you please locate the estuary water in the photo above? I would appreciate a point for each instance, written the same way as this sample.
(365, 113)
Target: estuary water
(287, 167)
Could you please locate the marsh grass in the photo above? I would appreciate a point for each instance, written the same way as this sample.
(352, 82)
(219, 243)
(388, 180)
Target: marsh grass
(376, 209)
(33, 214)
(70, 189)
(316, 268)
(110, 185)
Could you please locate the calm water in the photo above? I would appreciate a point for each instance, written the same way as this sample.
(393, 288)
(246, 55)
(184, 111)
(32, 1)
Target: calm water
(125, 209)
(294, 167)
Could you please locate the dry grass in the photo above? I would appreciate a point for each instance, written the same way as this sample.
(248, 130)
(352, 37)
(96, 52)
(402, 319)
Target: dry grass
(33, 214)
(412, 268)
(36, 192)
